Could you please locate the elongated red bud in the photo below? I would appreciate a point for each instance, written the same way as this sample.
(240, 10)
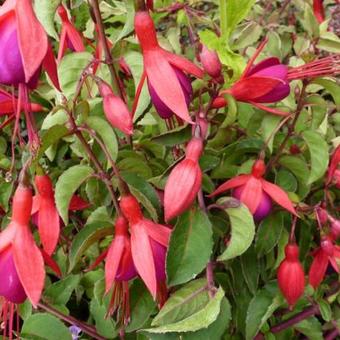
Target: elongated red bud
(44, 186)
(319, 11)
(115, 109)
(211, 62)
(294, 149)
(322, 215)
(131, 209)
(335, 228)
(290, 275)
(145, 31)
(219, 102)
(22, 205)
(258, 169)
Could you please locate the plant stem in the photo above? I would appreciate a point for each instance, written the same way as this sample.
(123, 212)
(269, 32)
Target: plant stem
(108, 58)
(332, 334)
(89, 330)
(223, 17)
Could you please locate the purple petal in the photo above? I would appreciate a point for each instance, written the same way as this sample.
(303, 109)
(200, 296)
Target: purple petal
(272, 61)
(10, 285)
(127, 270)
(280, 92)
(159, 255)
(11, 67)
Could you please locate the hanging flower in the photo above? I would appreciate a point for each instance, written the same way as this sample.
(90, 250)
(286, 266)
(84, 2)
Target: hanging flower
(333, 166)
(290, 275)
(256, 193)
(69, 36)
(149, 243)
(319, 11)
(327, 253)
(184, 181)
(159, 68)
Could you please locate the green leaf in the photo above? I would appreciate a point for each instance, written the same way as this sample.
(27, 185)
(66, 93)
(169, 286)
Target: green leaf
(45, 11)
(190, 247)
(269, 124)
(310, 327)
(129, 21)
(67, 185)
(332, 87)
(232, 111)
(87, 236)
(107, 134)
(318, 149)
(70, 69)
(242, 230)
(269, 233)
(200, 320)
(45, 326)
(144, 192)
(174, 137)
(60, 292)
(261, 308)
(250, 269)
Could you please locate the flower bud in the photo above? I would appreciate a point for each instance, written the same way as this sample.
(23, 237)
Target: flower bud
(322, 215)
(335, 228)
(115, 109)
(210, 61)
(290, 275)
(327, 245)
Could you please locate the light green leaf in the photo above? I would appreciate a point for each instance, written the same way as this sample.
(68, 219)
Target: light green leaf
(190, 247)
(200, 320)
(67, 185)
(45, 11)
(45, 326)
(242, 230)
(318, 149)
(70, 69)
(129, 25)
(105, 131)
(261, 308)
(310, 327)
(332, 87)
(87, 236)
(232, 111)
(269, 124)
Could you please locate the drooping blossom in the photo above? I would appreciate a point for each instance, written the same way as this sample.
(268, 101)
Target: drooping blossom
(21, 262)
(290, 275)
(149, 243)
(164, 111)
(70, 37)
(210, 62)
(116, 111)
(184, 181)
(327, 253)
(333, 165)
(256, 193)
(268, 81)
(119, 270)
(319, 11)
(159, 68)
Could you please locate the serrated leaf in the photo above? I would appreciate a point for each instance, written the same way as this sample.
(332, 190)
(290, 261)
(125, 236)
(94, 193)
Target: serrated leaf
(70, 69)
(45, 11)
(90, 234)
(242, 231)
(261, 308)
(44, 326)
(190, 247)
(107, 134)
(318, 149)
(200, 320)
(67, 185)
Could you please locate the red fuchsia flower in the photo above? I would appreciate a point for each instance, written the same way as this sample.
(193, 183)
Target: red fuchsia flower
(164, 111)
(210, 62)
(184, 181)
(48, 217)
(327, 253)
(333, 166)
(319, 11)
(149, 243)
(290, 275)
(116, 111)
(256, 193)
(159, 68)
(69, 35)
(268, 81)
(21, 262)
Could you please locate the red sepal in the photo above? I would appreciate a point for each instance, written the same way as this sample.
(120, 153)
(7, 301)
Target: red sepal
(232, 183)
(318, 268)
(252, 194)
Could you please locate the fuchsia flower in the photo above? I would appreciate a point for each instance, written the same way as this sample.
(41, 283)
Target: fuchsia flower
(256, 193)
(116, 111)
(149, 243)
(21, 263)
(69, 36)
(333, 166)
(319, 11)
(159, 69)
(184, 181)
(268, 81)
(290, 275)
(327, 253)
